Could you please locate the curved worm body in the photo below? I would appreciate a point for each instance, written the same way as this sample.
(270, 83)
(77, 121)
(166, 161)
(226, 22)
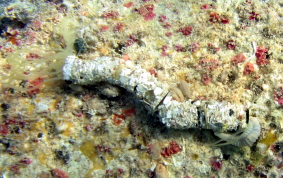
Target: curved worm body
(218, 116)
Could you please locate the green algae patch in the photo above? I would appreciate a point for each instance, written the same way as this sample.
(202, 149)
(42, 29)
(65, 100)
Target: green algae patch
(88, 149)
(269, 139)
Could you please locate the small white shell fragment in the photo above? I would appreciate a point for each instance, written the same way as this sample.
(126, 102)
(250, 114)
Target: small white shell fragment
(197, 103)
(167, 99)
(261, 148)
(157, 91)
(42, 107)
(110, 91)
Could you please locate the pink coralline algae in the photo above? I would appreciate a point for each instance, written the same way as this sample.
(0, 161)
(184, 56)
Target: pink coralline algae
(261, 54)
(173, 148)
(26, 161)
(209, 64)
(149, 16)
(110, 14)
(205, 79)
(128, 5)
(35, 83)
(249, 68)
(152, 72)
(118, 119)
(118, 27)
(102, 148)
(168, 34)
(178, 48)
(216, 163)
(231, 45)
(164, 50)
(57, 173)
(239, 58)
(190, 48)
(112, 173)
(4, 129)
(253, 16)
(186, 31)
(206, 6)
(225, 20)
(120, 171)
(132, 39)
(129, 112)
(250, 168)
(109, 173)
(32, 56)
(278, 96)
(213, 48)
(15, 169)
(194, 47)
(162, 18)
(214, 17)
(104, 28)
(147, 12)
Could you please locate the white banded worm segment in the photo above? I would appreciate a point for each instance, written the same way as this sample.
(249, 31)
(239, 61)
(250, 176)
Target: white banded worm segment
(218, 116)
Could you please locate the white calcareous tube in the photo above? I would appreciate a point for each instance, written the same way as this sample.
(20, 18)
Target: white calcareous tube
(218, 116)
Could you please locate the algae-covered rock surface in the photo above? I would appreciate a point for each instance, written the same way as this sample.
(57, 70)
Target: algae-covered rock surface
(215, 112)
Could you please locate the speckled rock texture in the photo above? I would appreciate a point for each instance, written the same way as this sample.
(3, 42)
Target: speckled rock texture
(186, 88)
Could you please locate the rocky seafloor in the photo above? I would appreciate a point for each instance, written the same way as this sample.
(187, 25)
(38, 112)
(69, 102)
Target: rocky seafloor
(203, 51)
